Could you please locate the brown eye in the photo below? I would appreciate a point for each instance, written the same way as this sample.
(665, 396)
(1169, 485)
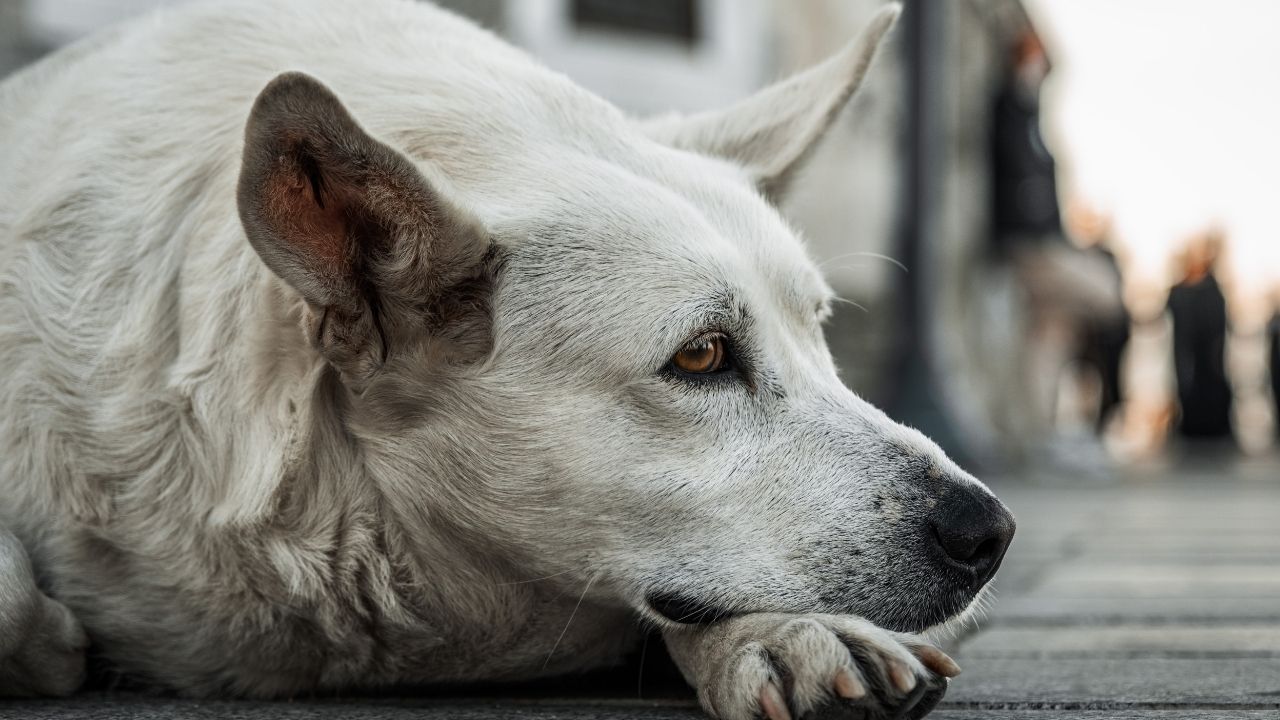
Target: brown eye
(704, 355)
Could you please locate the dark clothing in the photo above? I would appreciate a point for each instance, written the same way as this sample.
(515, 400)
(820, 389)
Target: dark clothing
(1024, 182)
(1199, 313)
(1104, 339)
(1106, 342)
(1273, 335)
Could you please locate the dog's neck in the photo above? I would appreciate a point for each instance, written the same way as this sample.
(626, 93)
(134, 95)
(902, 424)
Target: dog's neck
(291, 526)
(322, 504)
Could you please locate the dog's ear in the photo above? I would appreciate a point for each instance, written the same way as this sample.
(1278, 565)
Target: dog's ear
(347, 221)
(771, 132)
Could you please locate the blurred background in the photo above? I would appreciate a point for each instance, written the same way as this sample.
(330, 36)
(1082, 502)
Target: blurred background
(1052, 219)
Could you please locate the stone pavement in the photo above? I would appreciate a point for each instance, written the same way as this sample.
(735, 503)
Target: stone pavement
(1157, 596)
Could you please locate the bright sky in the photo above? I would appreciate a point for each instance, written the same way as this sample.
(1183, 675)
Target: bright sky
(1166, 114)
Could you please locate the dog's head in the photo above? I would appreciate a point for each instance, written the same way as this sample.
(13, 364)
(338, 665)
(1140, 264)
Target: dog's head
(598, 357)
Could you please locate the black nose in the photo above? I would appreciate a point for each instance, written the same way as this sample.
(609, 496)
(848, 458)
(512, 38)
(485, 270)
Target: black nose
(973, 529)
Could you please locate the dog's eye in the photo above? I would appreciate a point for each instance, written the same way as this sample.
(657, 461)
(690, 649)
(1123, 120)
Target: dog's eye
(704, 355)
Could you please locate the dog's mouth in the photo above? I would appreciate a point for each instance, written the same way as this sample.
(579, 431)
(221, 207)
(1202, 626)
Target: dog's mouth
(686, 610)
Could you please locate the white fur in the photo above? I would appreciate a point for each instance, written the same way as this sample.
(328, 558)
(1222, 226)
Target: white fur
(227, 514)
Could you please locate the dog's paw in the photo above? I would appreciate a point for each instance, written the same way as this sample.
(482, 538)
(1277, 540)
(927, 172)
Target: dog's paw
(48, 657)
(786, 667)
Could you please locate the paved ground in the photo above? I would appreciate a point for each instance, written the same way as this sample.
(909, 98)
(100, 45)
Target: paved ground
(1158, 596)
(1155, 596)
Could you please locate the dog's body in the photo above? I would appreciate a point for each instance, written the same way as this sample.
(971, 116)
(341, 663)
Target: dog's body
(397, 419)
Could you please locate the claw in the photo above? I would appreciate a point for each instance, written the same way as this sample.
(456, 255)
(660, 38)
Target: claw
(772, 703)
(937, 661)
(909, 703)
(848, 686)
(902, 677)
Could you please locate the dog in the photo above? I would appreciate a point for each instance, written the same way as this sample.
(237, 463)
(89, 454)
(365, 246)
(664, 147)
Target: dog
(347, 347)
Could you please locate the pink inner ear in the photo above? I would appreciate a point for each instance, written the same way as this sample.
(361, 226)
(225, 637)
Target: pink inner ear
(314, 228)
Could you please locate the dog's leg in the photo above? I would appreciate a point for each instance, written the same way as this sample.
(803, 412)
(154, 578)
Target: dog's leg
(42, 646)
(781, 666)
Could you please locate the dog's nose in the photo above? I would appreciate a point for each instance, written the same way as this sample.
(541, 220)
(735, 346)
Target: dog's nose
(973, 529)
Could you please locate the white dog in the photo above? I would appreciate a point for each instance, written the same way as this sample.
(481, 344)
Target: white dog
(429, 366)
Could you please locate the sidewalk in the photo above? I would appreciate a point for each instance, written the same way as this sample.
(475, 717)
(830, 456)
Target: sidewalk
(1155, 596)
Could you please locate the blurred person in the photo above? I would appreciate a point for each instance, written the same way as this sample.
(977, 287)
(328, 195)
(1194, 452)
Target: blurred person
(1198, 309)
(1106, 335)
(1065, 294)
(1273, 363)
(1024, 175)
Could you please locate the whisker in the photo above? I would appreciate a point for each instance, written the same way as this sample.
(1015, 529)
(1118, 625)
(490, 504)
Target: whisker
(640, 680)
(582, 597)
(826, 269)
(432, 583)
(538, 579)
(847, 301)
(864, 253)
(700, 612)
(968, 621)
